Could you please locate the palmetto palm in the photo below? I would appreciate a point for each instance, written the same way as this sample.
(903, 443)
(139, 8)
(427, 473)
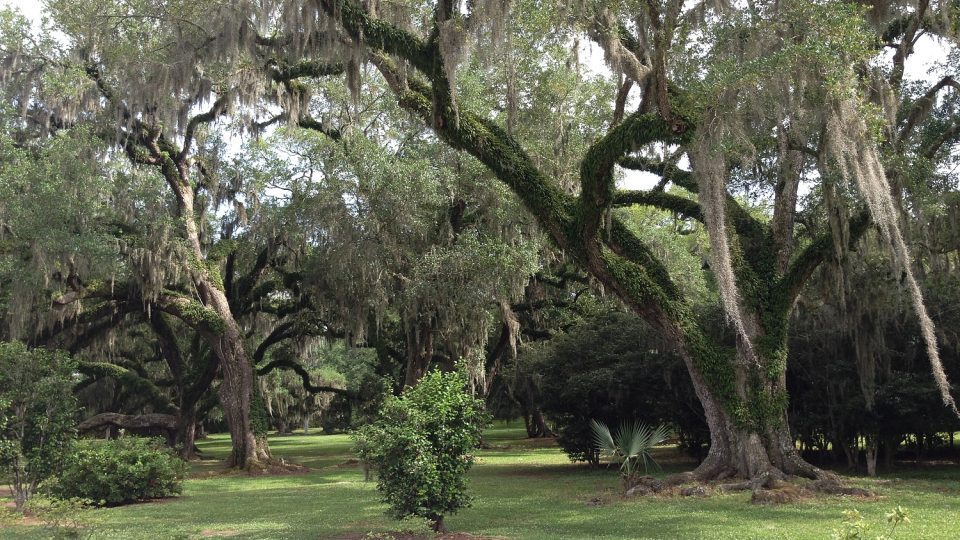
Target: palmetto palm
(630, 446)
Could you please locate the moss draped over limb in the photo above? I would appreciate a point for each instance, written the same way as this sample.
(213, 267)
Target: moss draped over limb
(130, 379)
(744, 398)
(286, 363)
(210, 312)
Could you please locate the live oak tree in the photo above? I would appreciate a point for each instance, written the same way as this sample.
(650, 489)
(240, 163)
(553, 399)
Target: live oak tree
(715, 120)
(804, 89)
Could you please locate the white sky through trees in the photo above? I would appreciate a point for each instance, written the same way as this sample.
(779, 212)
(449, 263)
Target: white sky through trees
(925, 64)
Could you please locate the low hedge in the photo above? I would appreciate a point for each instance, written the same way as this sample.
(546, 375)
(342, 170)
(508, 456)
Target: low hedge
(120, 471)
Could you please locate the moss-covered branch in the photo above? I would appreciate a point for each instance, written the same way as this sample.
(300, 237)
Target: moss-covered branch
(130, 379)
(664, 169)
(285, 363)
(381, 35)
(807, 261)
(658, 199)
(596, 168)
(193, 313)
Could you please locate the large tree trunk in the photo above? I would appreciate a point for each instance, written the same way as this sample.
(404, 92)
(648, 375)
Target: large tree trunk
(236, 391)
(738, 449)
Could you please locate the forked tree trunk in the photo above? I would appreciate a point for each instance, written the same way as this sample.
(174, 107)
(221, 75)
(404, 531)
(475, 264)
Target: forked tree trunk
(536, 424)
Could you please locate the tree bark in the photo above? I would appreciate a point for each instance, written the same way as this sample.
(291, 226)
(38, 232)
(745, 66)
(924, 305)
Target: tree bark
(419, 351)
(186, 434)
(223, 334)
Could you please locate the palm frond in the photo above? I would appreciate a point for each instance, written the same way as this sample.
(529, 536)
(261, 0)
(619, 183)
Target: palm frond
(603, 438)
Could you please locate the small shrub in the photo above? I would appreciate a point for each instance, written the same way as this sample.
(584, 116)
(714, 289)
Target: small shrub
(855, 527)
(421, 444)
(37, 415)
(121, 471)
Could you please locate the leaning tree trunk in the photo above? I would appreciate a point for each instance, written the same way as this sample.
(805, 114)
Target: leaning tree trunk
(219, 328)
(236, 392)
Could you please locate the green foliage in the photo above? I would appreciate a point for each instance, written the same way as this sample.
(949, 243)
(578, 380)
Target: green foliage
(121, 471)
(855, 527)
(610, 367)
(421, 446)
(37, 415)
(630, 446)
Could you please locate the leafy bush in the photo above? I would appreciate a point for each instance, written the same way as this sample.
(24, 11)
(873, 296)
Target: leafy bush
(421, 444)
(121, 471)
(37, 415)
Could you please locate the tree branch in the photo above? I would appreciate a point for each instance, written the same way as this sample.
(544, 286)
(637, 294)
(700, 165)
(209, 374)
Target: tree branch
(659, 199)
(218, 107)
(286, 363)
(803, 266)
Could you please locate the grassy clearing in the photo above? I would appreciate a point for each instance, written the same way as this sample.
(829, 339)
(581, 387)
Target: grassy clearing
(523, 489)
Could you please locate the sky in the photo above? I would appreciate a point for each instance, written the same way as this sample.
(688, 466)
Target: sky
(927, 54)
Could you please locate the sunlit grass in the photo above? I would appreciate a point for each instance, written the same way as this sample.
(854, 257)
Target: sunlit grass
(523, 489)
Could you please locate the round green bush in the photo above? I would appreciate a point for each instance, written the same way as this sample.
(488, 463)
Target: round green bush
(421, 446)
(121, 471)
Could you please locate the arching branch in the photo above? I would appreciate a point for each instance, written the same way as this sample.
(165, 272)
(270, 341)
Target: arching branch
(279, 333)
(286, 363)
(921, 107)
(659, 199)
(129, 378)
(218, 108)
(807, 261)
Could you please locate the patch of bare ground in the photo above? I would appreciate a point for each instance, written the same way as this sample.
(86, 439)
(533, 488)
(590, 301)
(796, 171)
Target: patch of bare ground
(11, 517)
(278, 468)
(270, 468)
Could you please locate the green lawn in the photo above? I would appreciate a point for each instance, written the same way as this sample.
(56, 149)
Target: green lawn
(523, 489)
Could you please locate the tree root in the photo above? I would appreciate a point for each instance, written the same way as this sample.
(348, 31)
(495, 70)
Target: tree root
(275, 467)
(769, 487)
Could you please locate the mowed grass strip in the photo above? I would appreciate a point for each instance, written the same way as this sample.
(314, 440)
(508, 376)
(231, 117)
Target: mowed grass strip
(522, 489)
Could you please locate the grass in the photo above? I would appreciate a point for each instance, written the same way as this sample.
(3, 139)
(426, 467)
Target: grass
(523, 489)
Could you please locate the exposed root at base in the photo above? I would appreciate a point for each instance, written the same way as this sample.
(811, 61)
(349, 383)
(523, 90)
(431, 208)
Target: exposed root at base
(274, 467)
(771, 487)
